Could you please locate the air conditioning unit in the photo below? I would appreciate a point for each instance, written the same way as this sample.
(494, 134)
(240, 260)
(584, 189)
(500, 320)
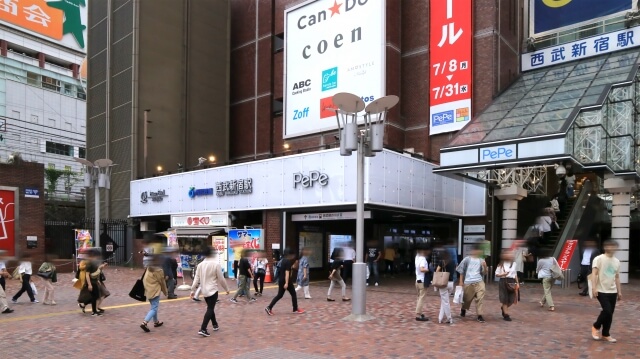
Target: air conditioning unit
(147, 226)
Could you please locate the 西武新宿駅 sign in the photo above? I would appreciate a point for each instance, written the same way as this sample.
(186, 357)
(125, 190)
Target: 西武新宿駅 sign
(450, 73)
(553, 15)
(63, 22)
(330, 47)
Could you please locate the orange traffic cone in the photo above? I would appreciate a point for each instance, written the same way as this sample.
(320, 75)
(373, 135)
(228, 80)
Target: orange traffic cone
(267, 276)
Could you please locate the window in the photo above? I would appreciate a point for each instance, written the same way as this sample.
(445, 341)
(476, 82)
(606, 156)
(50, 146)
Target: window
(82, 152)
(68, 89)
(33, 79)
(51, 166)
(80, 93)
(50, 83)
(59, 149)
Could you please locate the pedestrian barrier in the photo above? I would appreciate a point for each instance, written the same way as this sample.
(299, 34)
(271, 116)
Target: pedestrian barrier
(566, 281)
(267, 276)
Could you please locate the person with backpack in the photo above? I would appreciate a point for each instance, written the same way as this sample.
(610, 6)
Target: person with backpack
(47, 272)
(284, 283)
(471, 270)
(422, 267)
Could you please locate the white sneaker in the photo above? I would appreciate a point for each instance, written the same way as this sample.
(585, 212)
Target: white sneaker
(298, 288)
(35, 301)
(376, 284)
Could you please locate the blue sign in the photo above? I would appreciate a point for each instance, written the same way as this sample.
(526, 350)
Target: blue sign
(554, 14)
(32, 193)
(498, 153)
(442, 118)
(329, 79)
(193, 192)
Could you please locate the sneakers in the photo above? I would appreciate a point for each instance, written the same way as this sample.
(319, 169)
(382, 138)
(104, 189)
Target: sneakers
(196, 299)
(233, 300)
(14, 301)
(609, 339)
(450, 321)
(376, 284)
(7, 311)
(97, 314)
(463, 312)
(595, 333)
(216, 328)
(422, 318)
(330, 300)
(480, 319)
(507, 318)
(298, 288)
(252, 300)
(367, 284)
(35, 301)
(268, 310)
(298, 311)
(53, 303)
(204, 333)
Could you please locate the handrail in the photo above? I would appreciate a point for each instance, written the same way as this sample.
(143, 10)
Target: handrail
(575, 217)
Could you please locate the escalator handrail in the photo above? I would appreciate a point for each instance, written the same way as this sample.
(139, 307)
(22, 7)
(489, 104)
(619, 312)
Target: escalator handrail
(576, 213)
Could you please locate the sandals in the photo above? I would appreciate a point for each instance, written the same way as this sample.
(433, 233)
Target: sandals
(541, 304)
(145, 327)
(157, 324)
(552, 309)
(346, 299)
(330, 300)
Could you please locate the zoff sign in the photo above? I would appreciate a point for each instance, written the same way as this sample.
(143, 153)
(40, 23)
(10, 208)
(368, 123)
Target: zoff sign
(330, 47)
(63, 22)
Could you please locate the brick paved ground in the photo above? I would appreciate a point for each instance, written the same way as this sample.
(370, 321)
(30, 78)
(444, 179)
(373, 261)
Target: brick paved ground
(38, 331)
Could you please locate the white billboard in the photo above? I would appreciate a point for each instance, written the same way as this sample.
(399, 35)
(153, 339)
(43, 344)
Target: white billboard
(63, 22)
(331, 47)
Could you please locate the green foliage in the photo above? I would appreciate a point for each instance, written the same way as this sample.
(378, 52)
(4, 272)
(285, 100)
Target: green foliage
(52, 176)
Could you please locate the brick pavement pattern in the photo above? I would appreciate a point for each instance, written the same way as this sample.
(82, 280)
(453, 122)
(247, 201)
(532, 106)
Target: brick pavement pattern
(39, 331)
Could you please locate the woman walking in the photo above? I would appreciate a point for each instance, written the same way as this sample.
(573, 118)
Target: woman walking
(544, 273)
(49, 276)
(446, 265)
(303, 272)
(25, 272)
(259, 272)
(154, 284)
(507, 271)
(336, 279)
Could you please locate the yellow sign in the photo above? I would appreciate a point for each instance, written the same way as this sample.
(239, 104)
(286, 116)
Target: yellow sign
(556, 3)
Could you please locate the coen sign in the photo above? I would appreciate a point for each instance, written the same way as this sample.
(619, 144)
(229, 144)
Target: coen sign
(309, 180)
(498, 153)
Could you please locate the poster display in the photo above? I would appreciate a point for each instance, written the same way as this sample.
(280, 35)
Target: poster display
(552, 15)
(450, 54)
(240, 239)
(331, 47)
(219, 244)
(314, 242)
(84, 241)
(7, 221)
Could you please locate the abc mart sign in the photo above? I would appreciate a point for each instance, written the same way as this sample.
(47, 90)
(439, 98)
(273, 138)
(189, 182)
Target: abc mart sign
(324, 41)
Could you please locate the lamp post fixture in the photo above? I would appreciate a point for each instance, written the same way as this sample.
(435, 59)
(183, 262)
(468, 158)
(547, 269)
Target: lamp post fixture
(97, 175)
(367, 141)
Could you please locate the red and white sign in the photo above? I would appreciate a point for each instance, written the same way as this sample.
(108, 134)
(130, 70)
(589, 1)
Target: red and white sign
(567, 253)
(450, 76)
(201, 220)
(7, 221)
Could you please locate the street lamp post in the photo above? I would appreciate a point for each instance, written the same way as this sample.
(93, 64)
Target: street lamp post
(366, 141)
(97, 175)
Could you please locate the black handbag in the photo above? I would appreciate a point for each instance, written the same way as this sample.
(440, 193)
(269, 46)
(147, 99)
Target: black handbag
(85, 295)
(137, 292)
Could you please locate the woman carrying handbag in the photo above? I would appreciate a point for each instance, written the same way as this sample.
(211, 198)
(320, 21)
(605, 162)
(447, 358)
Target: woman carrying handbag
(446, 266)
(508, 287)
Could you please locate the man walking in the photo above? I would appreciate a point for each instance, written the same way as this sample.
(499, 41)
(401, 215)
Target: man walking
(4, 306)
(605, 285)
(588, 255)
(25, 271)
(373, 257)
(347, 264)
(284, 277)
(422, 266)
(245, 275)
(167, 268)
(471, 269)
(209, 278)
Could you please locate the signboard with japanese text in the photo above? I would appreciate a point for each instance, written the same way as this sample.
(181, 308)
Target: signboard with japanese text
(331, 47)
(567, 253)
(63, 22)
(556, 15)
(240, 239)
(201, 220)
(582, 49)
(8, 211)
(450, 73)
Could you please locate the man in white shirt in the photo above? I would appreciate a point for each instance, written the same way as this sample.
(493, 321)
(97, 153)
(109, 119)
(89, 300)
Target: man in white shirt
(588, 255)
(4, 306)
(25, 271)
(422, 266)
(605, 285)
(347, 265)
(209, 276)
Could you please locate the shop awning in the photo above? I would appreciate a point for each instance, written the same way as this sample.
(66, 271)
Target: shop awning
(194, 232)
(583, 110)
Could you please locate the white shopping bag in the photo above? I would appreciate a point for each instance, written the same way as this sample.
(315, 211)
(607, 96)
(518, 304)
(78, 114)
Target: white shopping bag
(457, 297)
(589, 286)
(34, 289)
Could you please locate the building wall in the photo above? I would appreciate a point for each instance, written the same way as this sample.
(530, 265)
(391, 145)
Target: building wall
(497, 39)
(31, 212)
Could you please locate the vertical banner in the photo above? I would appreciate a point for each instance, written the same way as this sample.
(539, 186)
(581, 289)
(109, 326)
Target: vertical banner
(84, 241)
(450, 76)
(240, 239)
(567, 253)
(7, 221)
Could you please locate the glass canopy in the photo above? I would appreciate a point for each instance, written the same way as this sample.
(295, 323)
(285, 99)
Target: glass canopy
(547, 101)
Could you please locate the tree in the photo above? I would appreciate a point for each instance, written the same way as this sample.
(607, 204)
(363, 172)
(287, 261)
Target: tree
(51, 176)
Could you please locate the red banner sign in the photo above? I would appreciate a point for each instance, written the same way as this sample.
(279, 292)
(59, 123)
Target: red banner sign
(7, 222)
(567, 253)
(450, 77)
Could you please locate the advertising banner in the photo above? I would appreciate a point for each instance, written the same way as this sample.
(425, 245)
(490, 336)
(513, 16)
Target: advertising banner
(567, 253)
(331, 47)
(551, 15)
(63, 22)
(450, 76)
(240, 239)
(84, 241)
(7, 221)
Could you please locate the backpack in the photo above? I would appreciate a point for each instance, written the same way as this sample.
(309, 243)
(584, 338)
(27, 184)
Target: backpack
(276, 270)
